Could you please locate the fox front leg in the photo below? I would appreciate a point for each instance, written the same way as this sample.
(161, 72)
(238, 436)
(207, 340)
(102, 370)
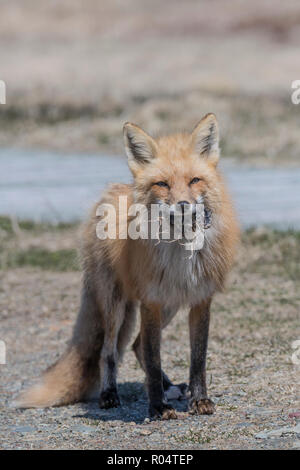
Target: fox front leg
(150, 337)
(199, 327)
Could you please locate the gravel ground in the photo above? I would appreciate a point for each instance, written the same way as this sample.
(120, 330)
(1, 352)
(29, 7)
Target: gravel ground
(250, 372)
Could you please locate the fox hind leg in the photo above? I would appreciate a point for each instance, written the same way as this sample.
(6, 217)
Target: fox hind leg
(108, 364)
(126, 328)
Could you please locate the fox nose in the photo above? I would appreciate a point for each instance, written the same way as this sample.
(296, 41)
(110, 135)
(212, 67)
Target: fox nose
(182, 204)
(176, 210)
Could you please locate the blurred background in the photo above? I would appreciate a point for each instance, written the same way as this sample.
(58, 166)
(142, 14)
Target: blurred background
(75, 71)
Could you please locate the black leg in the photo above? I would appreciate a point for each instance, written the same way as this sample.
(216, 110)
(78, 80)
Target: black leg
(199, 327)
(150, 337)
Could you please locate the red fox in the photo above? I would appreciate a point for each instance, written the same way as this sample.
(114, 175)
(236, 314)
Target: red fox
(123, 275)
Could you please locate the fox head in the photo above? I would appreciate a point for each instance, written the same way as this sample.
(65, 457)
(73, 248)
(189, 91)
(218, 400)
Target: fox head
(178, 170)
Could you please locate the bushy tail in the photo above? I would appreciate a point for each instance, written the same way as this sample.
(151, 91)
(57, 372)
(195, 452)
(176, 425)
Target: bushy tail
(72, 377)
(69, 380)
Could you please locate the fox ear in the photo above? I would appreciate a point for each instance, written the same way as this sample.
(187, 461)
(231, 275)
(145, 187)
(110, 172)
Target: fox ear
(140, 147)
(205, 138)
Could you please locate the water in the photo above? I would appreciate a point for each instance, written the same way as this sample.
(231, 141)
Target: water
(45, 186)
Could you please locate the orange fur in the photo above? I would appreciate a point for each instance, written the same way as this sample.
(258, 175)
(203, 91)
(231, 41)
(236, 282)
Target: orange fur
(120, 273)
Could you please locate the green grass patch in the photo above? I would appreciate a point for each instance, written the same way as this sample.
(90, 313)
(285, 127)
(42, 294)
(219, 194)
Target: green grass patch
(60, 260)
(280, 252)
(275, 252)
(267, 236)
(6, 225)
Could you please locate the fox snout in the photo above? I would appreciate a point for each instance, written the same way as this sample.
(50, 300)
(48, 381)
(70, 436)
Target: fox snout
(186, 213)
(182, 209)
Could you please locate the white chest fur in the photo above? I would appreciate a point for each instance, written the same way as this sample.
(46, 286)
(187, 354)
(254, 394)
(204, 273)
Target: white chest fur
(178, 277)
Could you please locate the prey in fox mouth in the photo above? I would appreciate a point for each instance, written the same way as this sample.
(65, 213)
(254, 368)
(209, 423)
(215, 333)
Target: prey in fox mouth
(207, 218)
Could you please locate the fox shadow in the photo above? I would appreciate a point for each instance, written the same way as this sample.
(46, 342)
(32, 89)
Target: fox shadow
(134, 406)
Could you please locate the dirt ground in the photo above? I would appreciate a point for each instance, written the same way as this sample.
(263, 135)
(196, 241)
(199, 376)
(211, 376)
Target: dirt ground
(76, 71)
(251, 375)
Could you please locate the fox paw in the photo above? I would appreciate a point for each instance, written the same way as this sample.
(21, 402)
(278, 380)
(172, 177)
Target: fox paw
(162, 411)
(109, 399)
(176, 392)
(205, 406)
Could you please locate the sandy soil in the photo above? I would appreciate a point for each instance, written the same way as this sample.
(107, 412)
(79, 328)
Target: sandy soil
(251, 375)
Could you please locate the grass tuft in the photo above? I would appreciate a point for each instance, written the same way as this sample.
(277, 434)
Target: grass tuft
(59, 260)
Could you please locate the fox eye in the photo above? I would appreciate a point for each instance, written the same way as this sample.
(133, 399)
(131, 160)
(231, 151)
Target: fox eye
(162, 184)
(195, 180)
